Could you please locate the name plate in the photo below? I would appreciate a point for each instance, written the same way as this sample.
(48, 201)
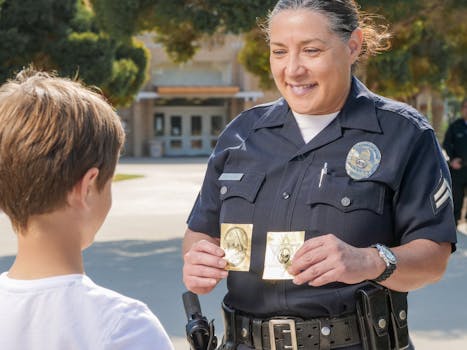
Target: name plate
(231, 176)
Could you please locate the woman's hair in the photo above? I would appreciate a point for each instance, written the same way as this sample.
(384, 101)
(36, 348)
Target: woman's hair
(344, 17)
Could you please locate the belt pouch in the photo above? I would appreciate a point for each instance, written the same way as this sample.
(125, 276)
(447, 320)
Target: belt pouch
(373, 317)
(229, 341)
(399, 327)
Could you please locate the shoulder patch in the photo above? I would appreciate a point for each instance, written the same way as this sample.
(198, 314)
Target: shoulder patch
(441, 196)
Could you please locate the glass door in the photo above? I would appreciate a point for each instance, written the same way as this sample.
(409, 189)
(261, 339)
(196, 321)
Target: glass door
(190, 131)
(195, 138)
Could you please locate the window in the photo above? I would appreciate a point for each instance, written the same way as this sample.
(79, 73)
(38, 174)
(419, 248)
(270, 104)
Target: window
(175, 125)
(176, 144)
(159, 124)
(197, 144)
(216, 125)
(196, 125)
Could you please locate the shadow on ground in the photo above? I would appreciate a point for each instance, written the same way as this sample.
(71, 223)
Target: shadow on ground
(441, 308)
(151, 271)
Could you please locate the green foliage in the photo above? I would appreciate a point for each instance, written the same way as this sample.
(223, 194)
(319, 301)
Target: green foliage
(27, 30)
(87, 55)
(427, 49)
(181, 44)
(84, 19)
(180, 24)
(64, 35)
(255, 57)
(120, 18)
(128, 73)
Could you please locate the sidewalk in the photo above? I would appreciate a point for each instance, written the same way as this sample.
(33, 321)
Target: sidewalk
(138, 253)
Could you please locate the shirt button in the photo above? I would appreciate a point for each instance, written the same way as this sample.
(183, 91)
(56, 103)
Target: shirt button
(223, 190)
(402, 315)
(345, 201)
(286, 195)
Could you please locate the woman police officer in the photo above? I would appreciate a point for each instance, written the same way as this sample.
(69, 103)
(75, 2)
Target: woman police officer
(331, 192)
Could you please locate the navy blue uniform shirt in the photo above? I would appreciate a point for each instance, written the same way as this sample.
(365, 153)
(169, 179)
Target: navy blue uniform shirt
(406, 198)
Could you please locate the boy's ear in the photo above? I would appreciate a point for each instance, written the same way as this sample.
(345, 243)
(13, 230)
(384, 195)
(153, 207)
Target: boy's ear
(81, 190)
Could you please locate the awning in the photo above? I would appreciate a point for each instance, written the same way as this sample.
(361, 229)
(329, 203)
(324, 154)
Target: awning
(199, 92)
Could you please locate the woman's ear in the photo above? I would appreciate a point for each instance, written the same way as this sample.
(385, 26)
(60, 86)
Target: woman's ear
(355, 44)
(80, 192)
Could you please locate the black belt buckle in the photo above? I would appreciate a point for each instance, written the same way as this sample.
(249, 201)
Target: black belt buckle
(291, 330)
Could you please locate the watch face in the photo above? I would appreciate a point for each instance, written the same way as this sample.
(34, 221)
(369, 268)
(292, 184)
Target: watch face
(389, 255)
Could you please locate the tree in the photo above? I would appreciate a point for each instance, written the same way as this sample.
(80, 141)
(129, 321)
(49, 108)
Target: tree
(428, 53)
(63, 35)
(179, 24)
(422, 55)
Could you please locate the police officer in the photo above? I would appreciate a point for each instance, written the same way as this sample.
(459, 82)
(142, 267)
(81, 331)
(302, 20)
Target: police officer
(335, 210)
(455, 144)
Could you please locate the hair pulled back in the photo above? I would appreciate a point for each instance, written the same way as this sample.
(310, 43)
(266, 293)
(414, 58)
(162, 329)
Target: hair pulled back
(344, 17)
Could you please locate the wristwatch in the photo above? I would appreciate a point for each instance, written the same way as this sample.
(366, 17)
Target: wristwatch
(389, 259)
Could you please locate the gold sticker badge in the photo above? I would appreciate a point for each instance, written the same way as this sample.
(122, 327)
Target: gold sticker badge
(280, 249)
(362, 160)
(236, 242)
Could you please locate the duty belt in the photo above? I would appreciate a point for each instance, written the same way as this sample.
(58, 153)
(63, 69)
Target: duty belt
(292, 333)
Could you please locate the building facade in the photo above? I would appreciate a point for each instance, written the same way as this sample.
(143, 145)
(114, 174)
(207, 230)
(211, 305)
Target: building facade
(184, 107)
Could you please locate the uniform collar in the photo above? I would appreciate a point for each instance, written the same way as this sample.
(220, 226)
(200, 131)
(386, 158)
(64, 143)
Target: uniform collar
(275, 116)
(359, 111)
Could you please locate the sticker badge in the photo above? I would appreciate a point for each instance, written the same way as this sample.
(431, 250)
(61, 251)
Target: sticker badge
(280, 249)
(236, 242)
(362, 160)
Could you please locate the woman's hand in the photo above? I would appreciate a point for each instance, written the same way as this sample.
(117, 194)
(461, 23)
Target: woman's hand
(325, 259)
(204, 265)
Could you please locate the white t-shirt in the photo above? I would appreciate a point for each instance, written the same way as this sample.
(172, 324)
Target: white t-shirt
(71, 312)
(311, 125)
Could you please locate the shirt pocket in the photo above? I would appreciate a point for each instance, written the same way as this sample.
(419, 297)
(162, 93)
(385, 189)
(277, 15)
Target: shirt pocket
(238, 197)
(352, 210)
(347, 195)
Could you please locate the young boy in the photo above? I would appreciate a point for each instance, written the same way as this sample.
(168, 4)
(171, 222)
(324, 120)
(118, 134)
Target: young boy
(59, 145)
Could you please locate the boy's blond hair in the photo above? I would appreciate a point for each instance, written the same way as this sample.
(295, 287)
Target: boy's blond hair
(52, 131)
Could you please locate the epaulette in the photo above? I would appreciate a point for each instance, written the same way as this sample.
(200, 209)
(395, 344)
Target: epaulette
(279, 101)
(404, 110)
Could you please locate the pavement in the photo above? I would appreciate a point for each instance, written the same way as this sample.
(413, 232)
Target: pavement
(138, 253)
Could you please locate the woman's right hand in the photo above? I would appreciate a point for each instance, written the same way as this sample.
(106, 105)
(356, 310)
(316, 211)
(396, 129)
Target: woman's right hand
(204, 265)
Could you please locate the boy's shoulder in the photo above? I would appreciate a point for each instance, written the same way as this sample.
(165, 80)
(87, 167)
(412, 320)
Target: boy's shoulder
(116, 307)
(100, 315)
(126, 317)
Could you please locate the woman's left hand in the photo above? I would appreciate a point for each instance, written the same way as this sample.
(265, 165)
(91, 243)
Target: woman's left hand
(325, 259)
